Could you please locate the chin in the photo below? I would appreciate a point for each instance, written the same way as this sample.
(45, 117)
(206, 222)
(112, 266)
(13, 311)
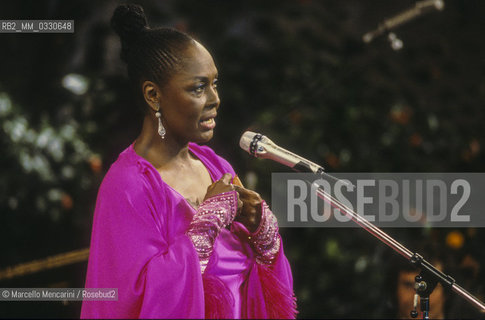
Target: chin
(204, 137)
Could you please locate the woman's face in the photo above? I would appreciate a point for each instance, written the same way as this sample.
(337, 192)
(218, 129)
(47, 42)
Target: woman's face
(189, 101)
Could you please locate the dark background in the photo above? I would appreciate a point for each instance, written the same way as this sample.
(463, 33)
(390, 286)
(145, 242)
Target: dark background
(296, 71)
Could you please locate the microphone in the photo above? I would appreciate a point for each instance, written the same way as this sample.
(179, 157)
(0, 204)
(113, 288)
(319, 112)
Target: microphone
(262, 147)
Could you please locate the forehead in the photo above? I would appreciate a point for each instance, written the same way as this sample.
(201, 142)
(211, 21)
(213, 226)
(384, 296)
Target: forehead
(197, 62)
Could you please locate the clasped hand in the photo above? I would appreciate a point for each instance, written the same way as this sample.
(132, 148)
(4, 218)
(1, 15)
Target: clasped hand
(249, 202)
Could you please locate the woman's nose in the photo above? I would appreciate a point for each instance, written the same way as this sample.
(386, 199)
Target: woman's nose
(213, 98)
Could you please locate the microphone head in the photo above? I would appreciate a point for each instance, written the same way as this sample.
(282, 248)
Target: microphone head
(255, 144)
(246, 139)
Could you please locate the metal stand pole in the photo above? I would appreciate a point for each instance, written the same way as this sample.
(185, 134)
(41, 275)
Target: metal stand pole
(429, 274)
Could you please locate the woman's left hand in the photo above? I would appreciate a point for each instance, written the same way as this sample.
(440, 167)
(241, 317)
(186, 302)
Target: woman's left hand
(250, 214)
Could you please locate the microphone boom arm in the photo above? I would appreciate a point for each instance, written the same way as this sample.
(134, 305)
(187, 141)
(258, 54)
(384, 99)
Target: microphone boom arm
(419, 8)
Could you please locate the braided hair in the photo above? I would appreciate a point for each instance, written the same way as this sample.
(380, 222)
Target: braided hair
(150, 54)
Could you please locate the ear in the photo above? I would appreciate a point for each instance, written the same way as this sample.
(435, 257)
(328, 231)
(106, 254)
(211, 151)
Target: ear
(152, 94)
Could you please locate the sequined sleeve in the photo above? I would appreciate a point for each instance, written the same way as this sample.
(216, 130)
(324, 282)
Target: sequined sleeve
(266, 240)
(212, 215)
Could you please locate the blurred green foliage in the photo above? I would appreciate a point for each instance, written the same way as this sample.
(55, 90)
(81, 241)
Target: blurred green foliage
(296, 71)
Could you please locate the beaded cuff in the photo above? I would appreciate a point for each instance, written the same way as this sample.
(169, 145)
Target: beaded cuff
(265, 240)
(212, 215)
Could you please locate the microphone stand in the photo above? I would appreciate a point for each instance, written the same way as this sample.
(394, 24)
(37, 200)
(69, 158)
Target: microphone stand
(429, 277)
(387, 25)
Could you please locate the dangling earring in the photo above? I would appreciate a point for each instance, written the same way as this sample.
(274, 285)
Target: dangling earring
(161, 128)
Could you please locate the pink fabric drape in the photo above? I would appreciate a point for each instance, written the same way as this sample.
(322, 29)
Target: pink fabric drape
(139, 246)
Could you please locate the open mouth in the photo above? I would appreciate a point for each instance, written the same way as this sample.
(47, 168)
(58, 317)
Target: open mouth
(208, 123)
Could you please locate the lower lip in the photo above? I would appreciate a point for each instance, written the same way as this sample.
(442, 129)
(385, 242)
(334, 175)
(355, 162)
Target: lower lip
(208, 125)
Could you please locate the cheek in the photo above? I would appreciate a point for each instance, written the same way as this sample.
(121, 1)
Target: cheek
(186, 112)
(192, 109)
(184, 105)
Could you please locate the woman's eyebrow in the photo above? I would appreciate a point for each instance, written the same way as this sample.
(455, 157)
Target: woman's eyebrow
(202, 78)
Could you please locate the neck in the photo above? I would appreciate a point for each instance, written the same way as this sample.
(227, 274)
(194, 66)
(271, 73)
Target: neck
(156, 150)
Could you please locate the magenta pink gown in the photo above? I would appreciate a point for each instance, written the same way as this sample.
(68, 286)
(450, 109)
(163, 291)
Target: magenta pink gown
(139, 245)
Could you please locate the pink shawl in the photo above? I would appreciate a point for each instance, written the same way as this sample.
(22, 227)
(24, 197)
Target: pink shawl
(139, 246)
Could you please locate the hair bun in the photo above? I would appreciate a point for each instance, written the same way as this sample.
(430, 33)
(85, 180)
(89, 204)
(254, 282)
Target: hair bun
(129, 20)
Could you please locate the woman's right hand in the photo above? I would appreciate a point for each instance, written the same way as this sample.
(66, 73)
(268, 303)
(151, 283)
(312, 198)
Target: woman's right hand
(220, 186)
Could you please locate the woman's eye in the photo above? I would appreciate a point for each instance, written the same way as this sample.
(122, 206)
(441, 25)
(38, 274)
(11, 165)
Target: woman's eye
(199, 88)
